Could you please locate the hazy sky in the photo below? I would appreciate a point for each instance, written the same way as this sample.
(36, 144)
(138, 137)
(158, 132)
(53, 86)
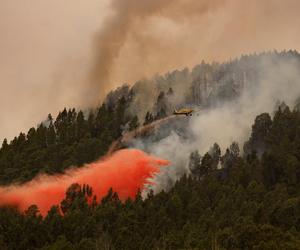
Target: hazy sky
(44, 47)
(48, 48)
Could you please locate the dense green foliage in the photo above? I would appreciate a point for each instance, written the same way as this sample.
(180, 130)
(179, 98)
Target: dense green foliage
(70, 140)
(228, 202)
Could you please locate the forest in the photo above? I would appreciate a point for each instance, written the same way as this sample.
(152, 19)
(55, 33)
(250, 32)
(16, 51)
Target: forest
(228, 201)
(70, 140)
(247, 197)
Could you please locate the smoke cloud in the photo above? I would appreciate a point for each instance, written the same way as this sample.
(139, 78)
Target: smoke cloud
(141, 38)
(126, 172)
(226, 122)
(127, 19)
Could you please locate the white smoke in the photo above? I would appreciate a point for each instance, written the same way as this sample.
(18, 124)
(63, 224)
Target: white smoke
(279, 81)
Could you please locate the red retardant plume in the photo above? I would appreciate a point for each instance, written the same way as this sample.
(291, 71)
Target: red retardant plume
(126, 171)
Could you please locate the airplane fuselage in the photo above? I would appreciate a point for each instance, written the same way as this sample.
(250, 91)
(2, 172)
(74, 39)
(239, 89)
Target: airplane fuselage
(187, 112)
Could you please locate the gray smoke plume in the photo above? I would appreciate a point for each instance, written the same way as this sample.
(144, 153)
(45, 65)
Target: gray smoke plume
(277, 81)
(126, 17)
(140, 37)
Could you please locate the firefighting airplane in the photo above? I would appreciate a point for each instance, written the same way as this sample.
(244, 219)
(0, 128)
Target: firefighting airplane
(184, 111)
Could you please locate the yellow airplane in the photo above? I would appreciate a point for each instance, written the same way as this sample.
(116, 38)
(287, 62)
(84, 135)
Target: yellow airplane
(184, 111)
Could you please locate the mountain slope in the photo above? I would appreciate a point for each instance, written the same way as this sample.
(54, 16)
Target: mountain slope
(75, 138)
(248, 203)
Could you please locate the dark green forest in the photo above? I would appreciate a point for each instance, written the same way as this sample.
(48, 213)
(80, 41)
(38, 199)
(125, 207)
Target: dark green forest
(70, 140)
(228, 202)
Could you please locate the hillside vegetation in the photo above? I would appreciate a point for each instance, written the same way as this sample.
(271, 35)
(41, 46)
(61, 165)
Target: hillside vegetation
(76, 137)
(228, 202)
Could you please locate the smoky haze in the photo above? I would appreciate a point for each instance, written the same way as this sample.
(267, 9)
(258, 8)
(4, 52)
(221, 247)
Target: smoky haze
(278, 82)
(129, 21)
(71, 53)
(44, 53)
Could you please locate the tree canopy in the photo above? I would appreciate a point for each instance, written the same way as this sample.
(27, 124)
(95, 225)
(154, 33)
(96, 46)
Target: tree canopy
(229, 201)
